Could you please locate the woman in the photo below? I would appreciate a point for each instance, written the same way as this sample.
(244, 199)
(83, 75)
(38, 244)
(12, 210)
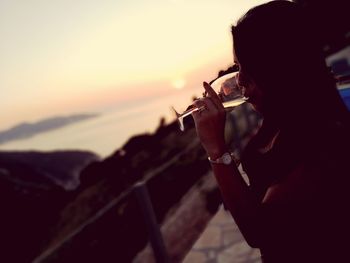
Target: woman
(294, 208)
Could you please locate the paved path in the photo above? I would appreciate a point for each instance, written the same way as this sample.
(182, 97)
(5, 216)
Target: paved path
(222, 242)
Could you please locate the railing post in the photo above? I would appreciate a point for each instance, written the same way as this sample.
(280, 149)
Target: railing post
(156, 239)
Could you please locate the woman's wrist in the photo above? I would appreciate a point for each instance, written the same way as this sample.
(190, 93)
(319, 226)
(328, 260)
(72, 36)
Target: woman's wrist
(217, 152)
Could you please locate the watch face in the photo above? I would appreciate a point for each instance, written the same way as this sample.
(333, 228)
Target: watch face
(226, 158)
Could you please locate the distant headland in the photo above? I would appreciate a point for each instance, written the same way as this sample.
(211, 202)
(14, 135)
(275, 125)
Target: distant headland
(26, 130)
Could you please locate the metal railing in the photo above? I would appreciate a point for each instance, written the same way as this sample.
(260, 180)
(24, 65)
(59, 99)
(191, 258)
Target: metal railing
(140, 191)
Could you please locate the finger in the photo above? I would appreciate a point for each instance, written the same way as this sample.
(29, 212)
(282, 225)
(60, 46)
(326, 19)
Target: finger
(199, 105)
(213, 95)
(203, 108)
(207, 103)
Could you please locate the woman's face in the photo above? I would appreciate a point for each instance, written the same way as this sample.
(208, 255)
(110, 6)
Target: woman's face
(251, 89)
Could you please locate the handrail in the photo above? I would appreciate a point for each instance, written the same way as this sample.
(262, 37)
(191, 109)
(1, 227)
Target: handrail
(154, 231)
(114, 202)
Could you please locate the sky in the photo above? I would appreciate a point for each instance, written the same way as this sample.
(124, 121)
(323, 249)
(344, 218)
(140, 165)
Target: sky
(62, 56)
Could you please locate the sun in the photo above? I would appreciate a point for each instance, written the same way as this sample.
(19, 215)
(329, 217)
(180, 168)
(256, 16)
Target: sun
(178, 83)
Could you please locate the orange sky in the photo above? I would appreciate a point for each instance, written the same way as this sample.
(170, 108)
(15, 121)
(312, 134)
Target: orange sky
(62, 57)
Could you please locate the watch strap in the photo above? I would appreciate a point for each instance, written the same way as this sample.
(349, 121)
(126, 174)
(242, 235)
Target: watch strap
(225, 158)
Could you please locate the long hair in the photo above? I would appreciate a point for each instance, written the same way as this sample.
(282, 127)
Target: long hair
(277, 45)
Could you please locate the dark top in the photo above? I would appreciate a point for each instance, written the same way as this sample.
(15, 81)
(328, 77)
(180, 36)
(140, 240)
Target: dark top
(307, 230)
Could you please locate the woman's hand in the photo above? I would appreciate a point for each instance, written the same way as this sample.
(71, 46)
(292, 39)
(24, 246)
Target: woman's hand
(210, 123)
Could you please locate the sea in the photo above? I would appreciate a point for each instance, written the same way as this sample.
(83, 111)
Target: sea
(111, 129)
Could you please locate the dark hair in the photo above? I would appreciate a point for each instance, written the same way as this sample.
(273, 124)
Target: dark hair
(277, 45)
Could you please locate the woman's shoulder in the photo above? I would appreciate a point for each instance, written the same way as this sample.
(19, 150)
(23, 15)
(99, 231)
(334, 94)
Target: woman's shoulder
(324, 176)
(303, 182)
(333, 148)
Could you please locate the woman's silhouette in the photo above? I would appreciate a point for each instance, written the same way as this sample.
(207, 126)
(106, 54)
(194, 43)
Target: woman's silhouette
(294, 208)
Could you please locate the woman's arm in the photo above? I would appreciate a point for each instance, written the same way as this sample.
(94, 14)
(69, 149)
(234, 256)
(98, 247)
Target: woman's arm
(256, 220)
(238, 199)
(210, 125)
(262, 222)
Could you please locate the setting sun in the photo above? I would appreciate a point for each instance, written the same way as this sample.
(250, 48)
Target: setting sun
(55, 52)
(178, 83)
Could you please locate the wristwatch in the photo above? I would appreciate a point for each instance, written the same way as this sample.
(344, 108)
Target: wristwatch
(226, 159)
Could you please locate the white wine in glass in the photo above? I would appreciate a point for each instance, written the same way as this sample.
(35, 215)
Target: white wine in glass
(228, 90)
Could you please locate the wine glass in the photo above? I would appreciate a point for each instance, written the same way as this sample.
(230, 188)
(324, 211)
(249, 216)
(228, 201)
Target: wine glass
(230, 93)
